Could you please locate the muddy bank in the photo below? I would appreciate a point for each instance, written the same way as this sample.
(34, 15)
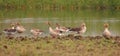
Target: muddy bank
(72, 37)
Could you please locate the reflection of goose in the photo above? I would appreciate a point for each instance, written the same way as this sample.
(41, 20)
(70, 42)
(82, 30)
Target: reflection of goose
(61, 28)
(53, 32)
(20, 28)
(36, 32)
(79, 30)
(10, 31)
(106, 32)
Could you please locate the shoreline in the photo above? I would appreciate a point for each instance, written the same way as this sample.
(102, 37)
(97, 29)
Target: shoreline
(61, 37)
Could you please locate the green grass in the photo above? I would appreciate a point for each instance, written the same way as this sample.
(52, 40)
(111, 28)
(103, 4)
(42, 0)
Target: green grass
(71, 14)
(60, 4)
(59, 47)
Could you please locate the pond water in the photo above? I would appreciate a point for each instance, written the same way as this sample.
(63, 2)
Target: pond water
(94, 19)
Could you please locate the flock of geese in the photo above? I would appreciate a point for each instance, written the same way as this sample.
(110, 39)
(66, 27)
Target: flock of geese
(16, 27)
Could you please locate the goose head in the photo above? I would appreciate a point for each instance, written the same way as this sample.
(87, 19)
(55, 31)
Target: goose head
(83, 24)
(18, 24)
(106, 25)
(13, 26)
(58, 25)
(48, 23)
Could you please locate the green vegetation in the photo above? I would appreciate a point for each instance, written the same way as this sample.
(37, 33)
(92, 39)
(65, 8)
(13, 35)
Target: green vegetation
(60, 4)
(62, 14)
(60, 47)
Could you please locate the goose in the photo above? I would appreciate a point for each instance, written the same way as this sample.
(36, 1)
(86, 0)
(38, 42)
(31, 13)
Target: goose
(61, 28)
(53, 32)
(36, 32)
(79, 30)
(20, 28)
(10, 31)
(106, 32)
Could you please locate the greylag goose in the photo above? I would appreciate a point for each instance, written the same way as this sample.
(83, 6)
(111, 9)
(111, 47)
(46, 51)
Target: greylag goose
(61, 28)
(106, 32)
(10, 31)
(79, 30)
(20, 28)
(36, 32)
(53, 32)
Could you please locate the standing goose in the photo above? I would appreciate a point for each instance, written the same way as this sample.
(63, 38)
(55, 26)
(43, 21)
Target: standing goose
(36, 32)
(106, 32)
(79, 30)
(61, 28)
(20, 28)
(53, 32)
